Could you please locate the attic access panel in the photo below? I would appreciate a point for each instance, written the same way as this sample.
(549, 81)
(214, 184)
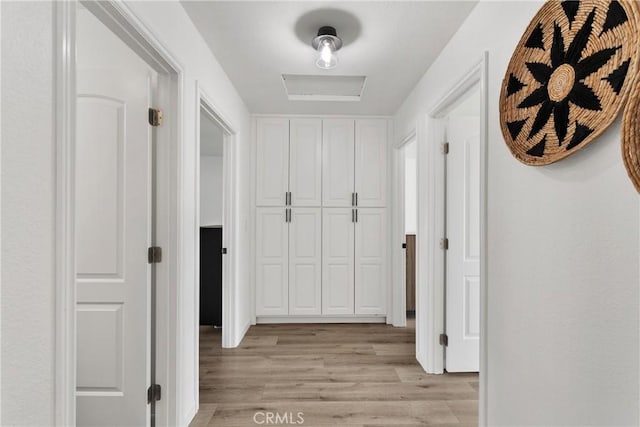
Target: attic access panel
(323, 88)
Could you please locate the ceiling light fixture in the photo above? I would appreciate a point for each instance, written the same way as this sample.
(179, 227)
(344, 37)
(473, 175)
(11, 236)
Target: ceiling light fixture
(327, 43)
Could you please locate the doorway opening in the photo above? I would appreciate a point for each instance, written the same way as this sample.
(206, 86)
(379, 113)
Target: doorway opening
(410, 151)
(215, 319)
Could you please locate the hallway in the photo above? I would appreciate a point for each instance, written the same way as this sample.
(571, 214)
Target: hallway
(344, 374)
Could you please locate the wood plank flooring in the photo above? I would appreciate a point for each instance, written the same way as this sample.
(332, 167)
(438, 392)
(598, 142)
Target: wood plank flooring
(355, 375)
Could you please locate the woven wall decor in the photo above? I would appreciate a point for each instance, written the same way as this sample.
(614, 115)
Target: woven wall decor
(631, 136)
(569, 77)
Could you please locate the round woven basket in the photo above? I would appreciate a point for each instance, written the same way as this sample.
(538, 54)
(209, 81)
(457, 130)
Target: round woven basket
(569, 77)
(631, 136)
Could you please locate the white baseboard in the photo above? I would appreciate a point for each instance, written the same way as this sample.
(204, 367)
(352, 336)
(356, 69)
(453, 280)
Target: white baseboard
(321, 319)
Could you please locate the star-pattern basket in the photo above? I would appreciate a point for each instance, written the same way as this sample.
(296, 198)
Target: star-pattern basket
(569, 77)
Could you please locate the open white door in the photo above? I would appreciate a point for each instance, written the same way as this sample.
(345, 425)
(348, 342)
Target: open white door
(463, 256)
(113, 229)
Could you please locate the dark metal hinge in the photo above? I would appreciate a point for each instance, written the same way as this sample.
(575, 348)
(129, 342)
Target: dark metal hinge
(444, 339)
(154, 255)
(445, 148)
(155, 117)
(223, 251)
(444, 243)
(154, 393)
(404, 246)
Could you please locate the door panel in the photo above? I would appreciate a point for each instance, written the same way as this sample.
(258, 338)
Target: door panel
(371, 162)
(272, 162)
(305, 178)
(305, 261)
(337, 261)
(272, 262)
(370, 261)
(113, 223)
(337, 162)
(463, 256)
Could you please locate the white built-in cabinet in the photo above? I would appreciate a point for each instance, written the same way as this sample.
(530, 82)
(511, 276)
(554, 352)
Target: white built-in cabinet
(321, 227)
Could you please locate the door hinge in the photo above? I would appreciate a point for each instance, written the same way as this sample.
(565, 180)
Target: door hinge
(154, 393)
(444, 340)
(223, 251)
(155, 117)
(154, 255)
(444, 243)
(445, 148)
(404, 246)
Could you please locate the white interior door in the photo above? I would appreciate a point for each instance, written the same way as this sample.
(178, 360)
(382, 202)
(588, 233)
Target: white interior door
(337, 162)
(305, 261)
(370, 261)
(371, 162)
(272, 258)
(272, 161)
(113, 230)
(305, 166)
(338, 260)
(463, 256)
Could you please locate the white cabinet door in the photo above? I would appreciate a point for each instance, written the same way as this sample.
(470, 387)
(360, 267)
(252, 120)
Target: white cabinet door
(463, 256)
(305, 165)
(337, 162)
(337, 260)
(371, 162)
(272, 161)
(371, 261)
(272, 256)
(113, 223)
(305, 261)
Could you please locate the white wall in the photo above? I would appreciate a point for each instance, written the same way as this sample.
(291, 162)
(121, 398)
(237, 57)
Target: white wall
(28, 172)
(210, 190)
(563, 256)
(28, 225)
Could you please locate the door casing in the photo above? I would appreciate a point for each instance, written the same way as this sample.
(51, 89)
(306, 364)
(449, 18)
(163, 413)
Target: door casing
(119, 19)
(430, 267)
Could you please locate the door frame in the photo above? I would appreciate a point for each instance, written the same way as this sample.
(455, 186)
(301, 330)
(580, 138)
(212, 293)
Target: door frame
(119, 18)
(430, 267)
(229, 210)
(398, 253)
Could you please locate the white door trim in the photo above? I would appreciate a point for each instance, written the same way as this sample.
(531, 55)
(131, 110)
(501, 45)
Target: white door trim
(121, 20)
(229, 211)
(430, 265)
(399, 313)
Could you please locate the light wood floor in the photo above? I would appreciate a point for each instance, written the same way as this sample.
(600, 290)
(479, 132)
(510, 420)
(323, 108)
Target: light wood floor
(337, 375)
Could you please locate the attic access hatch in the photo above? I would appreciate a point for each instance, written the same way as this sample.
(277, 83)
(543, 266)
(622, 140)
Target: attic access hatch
(323, 88)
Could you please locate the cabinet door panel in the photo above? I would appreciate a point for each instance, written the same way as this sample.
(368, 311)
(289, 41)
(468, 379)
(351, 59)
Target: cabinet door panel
(371, 162)
(305, 166)
(337, 162)
(337, 261)
(272, 258)
(305, 261)
(272, 162)
(370, 261)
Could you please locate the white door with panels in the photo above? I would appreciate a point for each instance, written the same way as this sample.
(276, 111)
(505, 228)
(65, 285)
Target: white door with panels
(371, 163)
(463, 255)
(272, 162)
(305, 261)
(113, 233)
(272, 261)
(338, 260)
(305, 165)
(370, 261)
(338, 162)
